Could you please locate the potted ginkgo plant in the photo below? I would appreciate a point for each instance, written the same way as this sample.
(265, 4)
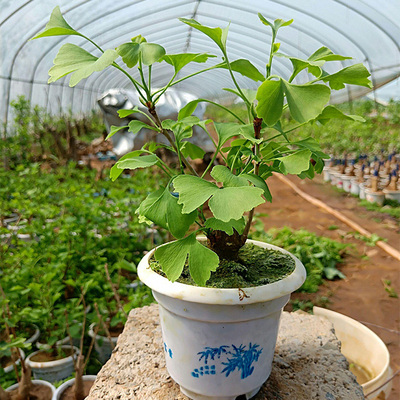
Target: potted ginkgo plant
(220, 295)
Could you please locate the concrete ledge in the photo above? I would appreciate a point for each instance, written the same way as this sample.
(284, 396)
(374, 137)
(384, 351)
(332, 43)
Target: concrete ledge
(307, 365)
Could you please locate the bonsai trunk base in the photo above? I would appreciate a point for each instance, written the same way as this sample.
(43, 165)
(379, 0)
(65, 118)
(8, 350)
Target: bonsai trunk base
(226, 246)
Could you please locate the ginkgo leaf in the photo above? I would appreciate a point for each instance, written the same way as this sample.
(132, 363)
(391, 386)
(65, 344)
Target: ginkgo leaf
(228, 227)
(74, 59)
(356, 74)
(218, 35)
(172, 257)
(137, 162)
(114, 129)
(163, 209)
(57, 26)
(270, 101)
(178, 61)
(115, 172)
(225, 203)
(295, 163)
(223, 174)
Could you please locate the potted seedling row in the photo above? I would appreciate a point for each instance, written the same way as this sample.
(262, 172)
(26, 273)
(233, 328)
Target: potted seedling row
(220, 295)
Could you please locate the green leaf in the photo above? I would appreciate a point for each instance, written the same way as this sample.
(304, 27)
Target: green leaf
(189, 109)
(223, 174)
(232, 202)
(245, 68)
(123, 113)
(331, 273)
(218, 225)
(260, 183)
(247, 131)
(270, 101)
(115, 172)
(191, 150)
(354, 75)
(72, 58)
(182, 128)
(218, 35)
(331, 112)
(193, 191)
(151, 53)
(57, 26)
(135, 126)
(278, 23)
(178, 61)
(295, 163)
(201, 262)
(137, 162)
(325, 54)
(306, 101)
(114, 129)
(130, 53)
(226, 130)
(165, 211)
(225, 203)
(172, 258)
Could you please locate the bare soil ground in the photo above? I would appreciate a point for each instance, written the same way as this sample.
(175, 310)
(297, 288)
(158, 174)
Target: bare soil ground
(362, 294)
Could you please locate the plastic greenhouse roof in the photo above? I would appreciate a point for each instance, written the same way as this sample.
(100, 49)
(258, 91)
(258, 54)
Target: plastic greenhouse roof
(368, 30)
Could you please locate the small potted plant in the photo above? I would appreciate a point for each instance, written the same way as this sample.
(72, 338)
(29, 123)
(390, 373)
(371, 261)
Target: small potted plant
(220, 295)
(78, 387)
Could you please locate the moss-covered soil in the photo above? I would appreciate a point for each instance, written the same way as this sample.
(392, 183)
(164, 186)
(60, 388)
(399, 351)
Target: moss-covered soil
(256, 266)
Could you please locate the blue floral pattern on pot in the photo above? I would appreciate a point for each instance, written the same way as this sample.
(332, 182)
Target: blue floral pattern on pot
(235, 357)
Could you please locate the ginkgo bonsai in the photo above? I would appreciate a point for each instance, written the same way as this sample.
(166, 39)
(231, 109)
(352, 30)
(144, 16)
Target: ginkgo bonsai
(251, 149)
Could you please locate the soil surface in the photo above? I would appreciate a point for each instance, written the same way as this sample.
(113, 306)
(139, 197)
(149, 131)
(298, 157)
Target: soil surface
(362, 294)
(45, 356)
(38, 392)
(69, 394)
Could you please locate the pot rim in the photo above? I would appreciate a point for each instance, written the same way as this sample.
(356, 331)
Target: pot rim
(36, 382)
(60, 390)
(47, 364)
(232, 296)
(91, 334)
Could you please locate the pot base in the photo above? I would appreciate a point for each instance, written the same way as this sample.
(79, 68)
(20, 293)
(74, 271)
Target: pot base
(196, 396)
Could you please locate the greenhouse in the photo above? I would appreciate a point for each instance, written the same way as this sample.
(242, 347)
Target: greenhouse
(199, 199)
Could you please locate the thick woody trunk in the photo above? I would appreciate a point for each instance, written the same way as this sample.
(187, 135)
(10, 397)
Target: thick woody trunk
(4, 395)
(25, 384)
(226, 246)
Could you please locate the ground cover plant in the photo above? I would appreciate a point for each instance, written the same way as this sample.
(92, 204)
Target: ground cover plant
(262, 145)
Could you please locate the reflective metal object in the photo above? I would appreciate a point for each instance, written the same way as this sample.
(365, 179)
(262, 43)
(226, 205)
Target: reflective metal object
(167, 108)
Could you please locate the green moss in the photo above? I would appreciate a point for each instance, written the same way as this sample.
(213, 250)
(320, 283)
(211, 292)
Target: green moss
(256, 266)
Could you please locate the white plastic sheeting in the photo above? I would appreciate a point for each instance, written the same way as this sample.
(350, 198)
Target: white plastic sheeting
(368, 30)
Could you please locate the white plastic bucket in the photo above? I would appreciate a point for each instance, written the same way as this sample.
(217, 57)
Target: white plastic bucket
(53, 371)
(363, 347)
(219, 343)
(346, 183)
(102, 345)
(327, 174)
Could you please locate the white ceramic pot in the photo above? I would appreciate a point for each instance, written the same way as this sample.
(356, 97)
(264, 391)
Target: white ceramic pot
(219, 343)
(35, 336)
(375, 197)
(364, 348)
(362, 189)
(36, 382)
(10, 367)
(346, 183)
(61, 389)
(53, 371)
(339, 181)
(392, 194)
(327, 174)
(102, 345)
(334, 177)
(354, 187)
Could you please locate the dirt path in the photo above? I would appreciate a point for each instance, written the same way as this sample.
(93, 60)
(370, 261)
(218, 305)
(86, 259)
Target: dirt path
(362, 294)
